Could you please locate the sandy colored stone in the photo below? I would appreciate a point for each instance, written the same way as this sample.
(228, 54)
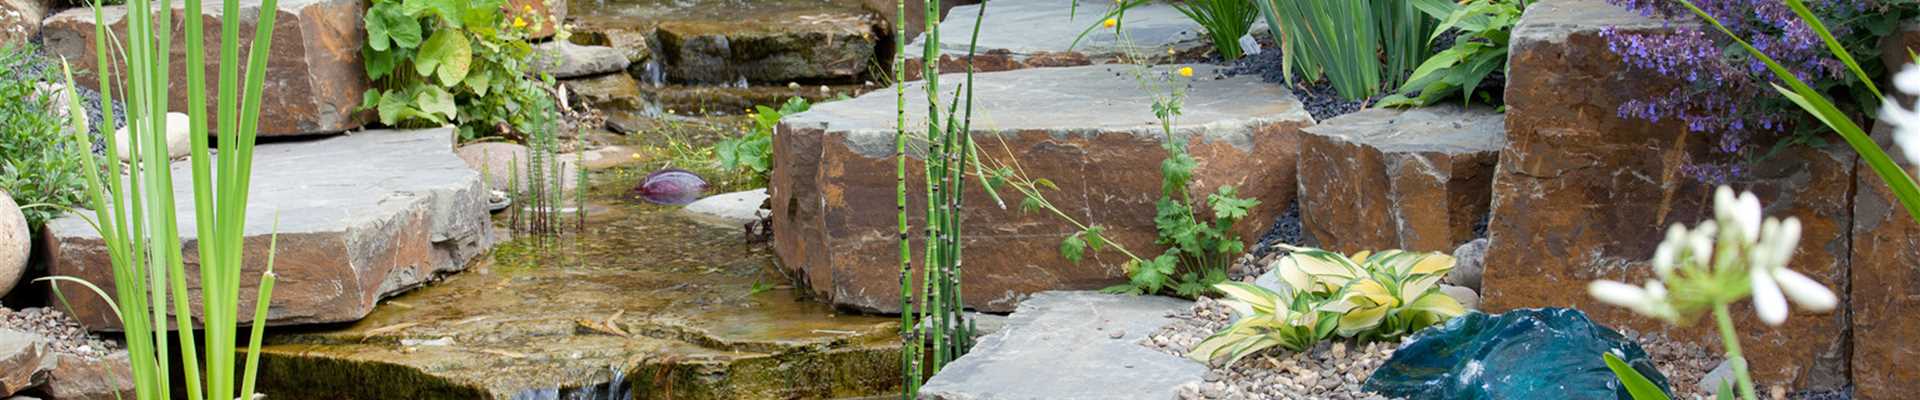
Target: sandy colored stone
(16, 243)
(20, 19)
(360, 218)
(315, 78)
(1398, 179)
(80, 378)
(1583, 194)
(1084, 128)
(20, 361)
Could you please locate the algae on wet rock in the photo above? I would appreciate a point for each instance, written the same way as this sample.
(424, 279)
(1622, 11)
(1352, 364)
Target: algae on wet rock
(1540, 353)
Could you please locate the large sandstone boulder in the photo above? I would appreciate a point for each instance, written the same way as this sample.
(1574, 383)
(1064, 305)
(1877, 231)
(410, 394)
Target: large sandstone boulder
(1019, 34)
(360, 218)
(16, 243)
(1086, 128)
(1582, 193)
(831, 46)
(1414, 179)
(315, 78)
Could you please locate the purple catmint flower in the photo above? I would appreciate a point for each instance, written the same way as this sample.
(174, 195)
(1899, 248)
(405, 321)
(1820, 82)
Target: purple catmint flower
(1727, 94)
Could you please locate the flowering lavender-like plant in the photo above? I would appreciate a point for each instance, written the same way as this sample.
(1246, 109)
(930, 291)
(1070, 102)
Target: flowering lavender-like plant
(1726, 95)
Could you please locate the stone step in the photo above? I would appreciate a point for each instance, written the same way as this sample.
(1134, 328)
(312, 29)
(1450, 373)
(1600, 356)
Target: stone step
(314, 80)
(1582, 193)
(653, 307)
(1090, 129)
(361, 217)
(1417, 179)
(1071, 345)
(1020, 34)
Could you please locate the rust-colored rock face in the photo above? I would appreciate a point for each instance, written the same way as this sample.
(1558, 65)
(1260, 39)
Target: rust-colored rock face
(314, 78)
(1398, 179)
(1886, 286)
(834, 179)
(1886, 337)
(1582, 194)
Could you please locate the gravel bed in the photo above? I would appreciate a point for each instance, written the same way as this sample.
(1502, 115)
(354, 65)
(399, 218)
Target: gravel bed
(63, 333)
(1319, 97)
(1332, 370)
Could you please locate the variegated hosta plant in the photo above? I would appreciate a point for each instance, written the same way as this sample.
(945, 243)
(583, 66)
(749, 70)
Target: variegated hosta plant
(1369, 296)
(1380, 295)
(1268, 319)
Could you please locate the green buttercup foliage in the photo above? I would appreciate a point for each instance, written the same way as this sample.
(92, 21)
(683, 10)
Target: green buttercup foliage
(37, 167)
(439, 62)
(1367, 296)
(1485, 27)
(1200, 246)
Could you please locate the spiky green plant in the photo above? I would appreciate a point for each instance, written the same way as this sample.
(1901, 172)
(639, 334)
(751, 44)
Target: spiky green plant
(938, 321)
(1318, 38)
(134, 208)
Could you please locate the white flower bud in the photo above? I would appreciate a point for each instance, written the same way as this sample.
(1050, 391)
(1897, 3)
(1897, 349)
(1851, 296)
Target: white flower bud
(1748, 215)
(1619, 294)
(1809, 294)
(1767, 300)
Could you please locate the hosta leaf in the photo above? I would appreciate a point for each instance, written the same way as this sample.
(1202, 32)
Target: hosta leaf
(1361, 320)
(1438, 304)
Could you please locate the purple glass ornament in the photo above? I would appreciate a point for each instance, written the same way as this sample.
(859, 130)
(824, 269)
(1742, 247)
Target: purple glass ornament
(671, 186)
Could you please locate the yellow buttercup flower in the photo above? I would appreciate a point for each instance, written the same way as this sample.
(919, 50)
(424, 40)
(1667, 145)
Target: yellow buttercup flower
(519, 22)
(1110, 23)
(526, 8)
(1186, 72)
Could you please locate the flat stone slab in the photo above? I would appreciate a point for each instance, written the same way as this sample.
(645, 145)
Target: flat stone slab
(1413, 179)
(315, 78)
(1020, 34)
(1071, 345)
(361, 217)
(1090, 129)
(728, 209)
(651, 307)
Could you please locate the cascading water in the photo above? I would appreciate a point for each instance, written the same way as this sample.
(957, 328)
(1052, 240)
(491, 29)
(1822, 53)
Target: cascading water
(614, 389)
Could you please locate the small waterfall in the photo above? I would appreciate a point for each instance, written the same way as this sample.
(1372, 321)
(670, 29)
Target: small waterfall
(615, 389)
(653, 73)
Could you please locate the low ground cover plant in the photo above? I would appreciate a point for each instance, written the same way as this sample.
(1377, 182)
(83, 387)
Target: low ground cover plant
(38, 165)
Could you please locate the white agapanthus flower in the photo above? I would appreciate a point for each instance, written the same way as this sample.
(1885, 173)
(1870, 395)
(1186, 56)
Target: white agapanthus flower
(1754, 246)
(1905, 122)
